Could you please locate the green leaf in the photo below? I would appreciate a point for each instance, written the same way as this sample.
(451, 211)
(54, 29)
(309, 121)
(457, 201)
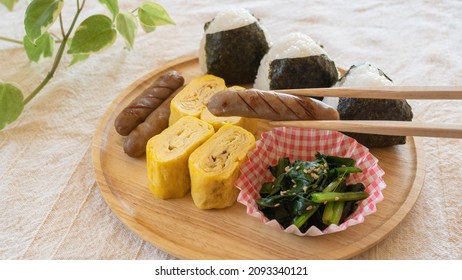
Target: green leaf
(11, 104)
(9, 3)
(43, 47)
(151, 15)
(40, 15)
(112, 6)
(147, 28)
(78, 57)
(93, 35)
(127, 26)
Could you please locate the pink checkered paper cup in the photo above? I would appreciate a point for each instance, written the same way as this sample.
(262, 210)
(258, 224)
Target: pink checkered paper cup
(302, 144)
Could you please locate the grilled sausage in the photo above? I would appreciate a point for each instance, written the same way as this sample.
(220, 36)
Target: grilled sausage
(155, 123)
(269, 105)
(144, 104)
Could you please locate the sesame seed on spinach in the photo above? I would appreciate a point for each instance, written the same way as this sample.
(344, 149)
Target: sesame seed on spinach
(306, 193)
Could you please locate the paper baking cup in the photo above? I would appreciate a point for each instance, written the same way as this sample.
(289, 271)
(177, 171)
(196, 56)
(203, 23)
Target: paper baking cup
(302, 144)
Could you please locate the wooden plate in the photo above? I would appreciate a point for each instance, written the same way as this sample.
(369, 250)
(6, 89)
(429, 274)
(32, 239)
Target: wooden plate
(179, 228)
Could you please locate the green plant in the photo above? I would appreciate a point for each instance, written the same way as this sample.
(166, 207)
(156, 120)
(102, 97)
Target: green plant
(94, 34)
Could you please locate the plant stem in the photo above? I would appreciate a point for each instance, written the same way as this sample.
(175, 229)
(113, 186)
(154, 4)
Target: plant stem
(11, 40)
(322, 197)
(61, 26)
(333, 212)
(334, 184)
(58, 56)
(57, 38)
(302, 219)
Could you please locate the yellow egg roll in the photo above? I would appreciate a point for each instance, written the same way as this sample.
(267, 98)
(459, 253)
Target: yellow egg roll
(167, 156)
(214, 167)
(192, 99)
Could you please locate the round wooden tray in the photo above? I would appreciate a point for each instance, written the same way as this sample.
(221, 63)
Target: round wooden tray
(178, 227)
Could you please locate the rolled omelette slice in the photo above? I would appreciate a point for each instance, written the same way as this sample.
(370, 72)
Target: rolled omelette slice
(214, 167)
(192, 99)
(218, 122)
(167, 156)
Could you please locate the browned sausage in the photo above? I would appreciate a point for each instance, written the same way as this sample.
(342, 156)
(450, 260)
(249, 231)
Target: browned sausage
(151, 98)
(269, 105)
(155, 123)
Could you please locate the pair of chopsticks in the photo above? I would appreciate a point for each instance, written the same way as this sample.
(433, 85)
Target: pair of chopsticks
(397, 128)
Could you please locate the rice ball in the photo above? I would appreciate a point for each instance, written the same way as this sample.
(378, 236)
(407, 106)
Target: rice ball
(364, 75)
(232, 46)
(296, 61)
(367, 75)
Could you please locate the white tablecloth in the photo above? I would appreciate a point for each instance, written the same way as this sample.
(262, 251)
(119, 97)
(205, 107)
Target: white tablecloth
(50, 204)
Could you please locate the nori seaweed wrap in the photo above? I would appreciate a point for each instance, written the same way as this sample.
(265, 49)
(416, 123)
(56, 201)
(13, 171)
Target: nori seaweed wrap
(306, 72)
(296, 61)
(233, 45)
(372, 109)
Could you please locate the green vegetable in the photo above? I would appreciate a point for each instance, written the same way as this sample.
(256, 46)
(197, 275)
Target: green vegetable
(280, 167)
(306, 193)
(94, 34)
(300, 220)
(337, 196)
(338, 161)
(333, 212)
(350, 206)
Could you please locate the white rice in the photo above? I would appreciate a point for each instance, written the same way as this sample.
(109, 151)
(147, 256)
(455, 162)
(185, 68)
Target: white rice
(362, 75)
(226, 20)
(290, 46)
(230, 19)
